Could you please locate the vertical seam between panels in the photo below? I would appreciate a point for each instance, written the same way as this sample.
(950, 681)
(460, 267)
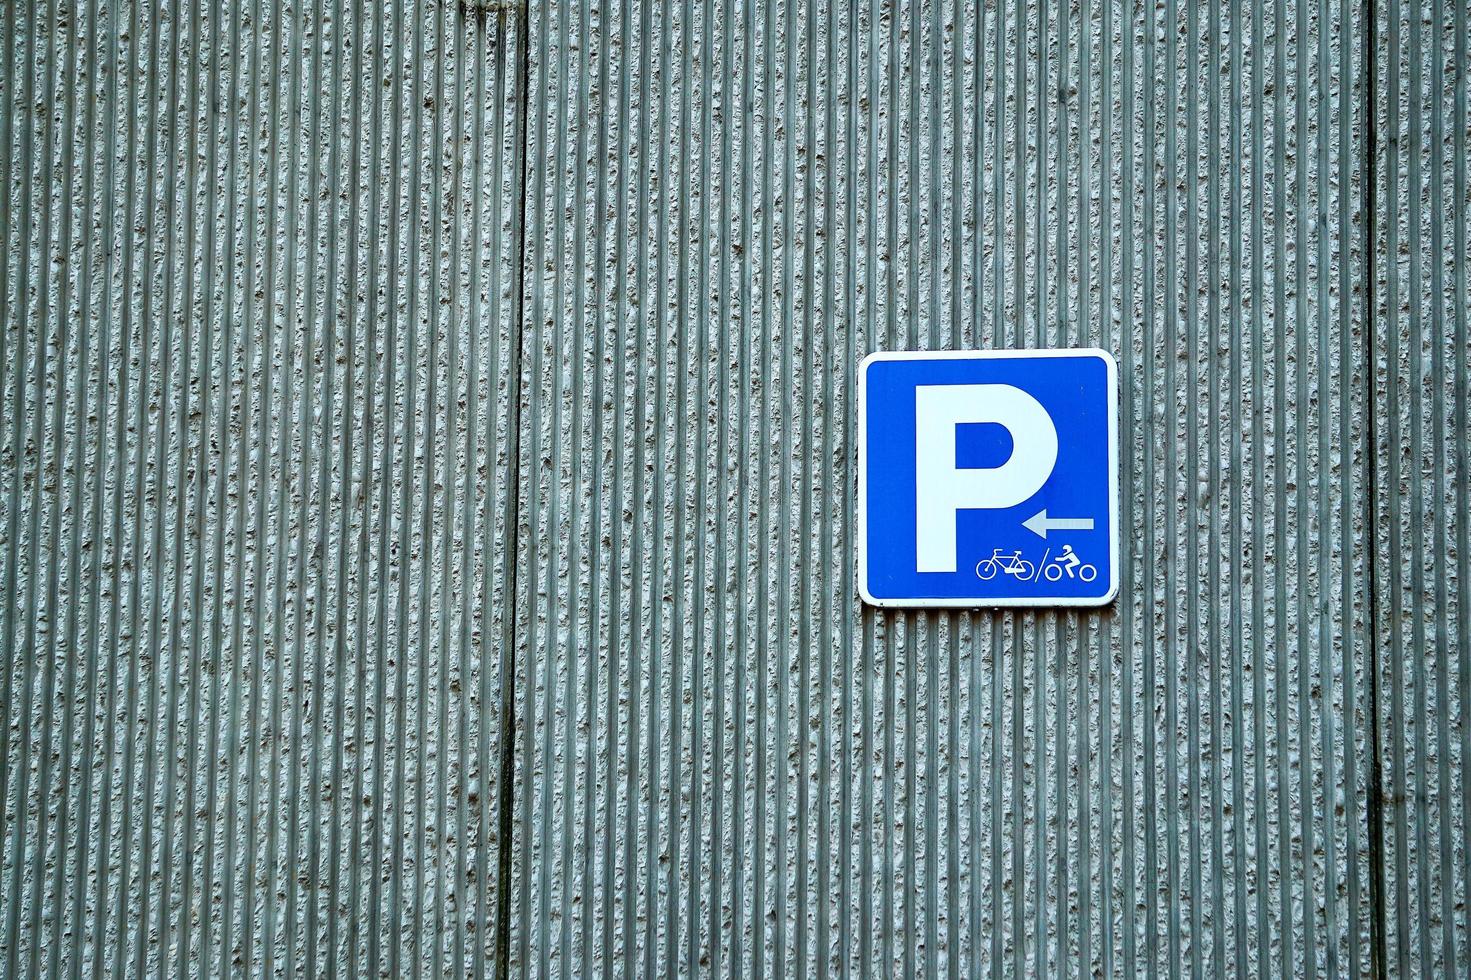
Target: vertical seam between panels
(511, 587)
(1375, 792)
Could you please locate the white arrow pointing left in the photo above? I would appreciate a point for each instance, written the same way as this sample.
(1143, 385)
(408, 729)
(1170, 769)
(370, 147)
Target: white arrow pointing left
(1039, 523)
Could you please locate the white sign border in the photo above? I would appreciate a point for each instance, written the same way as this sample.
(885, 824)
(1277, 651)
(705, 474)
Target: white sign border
(946, 602)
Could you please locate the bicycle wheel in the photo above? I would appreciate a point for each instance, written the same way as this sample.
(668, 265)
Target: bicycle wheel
(986, 568)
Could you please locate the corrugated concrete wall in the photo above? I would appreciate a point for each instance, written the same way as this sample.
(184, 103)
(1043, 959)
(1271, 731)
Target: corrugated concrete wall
(1422, 559)
(258, 294)
(725, 763)
(346, 407)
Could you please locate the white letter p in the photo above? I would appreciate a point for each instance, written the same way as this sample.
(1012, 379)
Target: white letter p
(941, 489)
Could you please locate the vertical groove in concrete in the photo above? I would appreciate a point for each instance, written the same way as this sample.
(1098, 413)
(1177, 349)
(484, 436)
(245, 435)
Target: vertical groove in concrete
(725, 763)
(1423, 647)
(256, 341)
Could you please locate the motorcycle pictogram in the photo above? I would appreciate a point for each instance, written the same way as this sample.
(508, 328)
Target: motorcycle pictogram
(1070, 564)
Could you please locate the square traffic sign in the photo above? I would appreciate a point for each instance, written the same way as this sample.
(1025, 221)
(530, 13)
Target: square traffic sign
(988, 478)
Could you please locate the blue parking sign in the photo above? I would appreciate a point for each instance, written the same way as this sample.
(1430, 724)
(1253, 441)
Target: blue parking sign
(988, 478)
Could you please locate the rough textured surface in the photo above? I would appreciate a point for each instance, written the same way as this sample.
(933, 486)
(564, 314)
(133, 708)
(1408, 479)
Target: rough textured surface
(1422, 560)
(723, 762)
(257, 295)
(315, 459)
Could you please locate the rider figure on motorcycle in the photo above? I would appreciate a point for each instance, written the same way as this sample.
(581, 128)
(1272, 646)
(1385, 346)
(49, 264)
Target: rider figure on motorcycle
(1068, 559)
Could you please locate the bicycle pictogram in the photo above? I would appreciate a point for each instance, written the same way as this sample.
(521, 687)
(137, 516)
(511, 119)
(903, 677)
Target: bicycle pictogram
(1012, 564)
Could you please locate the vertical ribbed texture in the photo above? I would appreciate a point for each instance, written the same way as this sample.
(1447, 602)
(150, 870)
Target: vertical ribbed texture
(275, 447)
(257, 292)
(723, 763)
(1422, 552)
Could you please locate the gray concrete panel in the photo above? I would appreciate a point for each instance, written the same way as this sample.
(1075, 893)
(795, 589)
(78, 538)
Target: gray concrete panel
(723, 762)
(258, 299)
(1422, 474)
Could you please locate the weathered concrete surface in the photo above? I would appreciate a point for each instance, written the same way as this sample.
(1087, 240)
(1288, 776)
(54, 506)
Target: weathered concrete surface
(299, 487)
(256, 289)
(724, 763)
(1422, 559)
